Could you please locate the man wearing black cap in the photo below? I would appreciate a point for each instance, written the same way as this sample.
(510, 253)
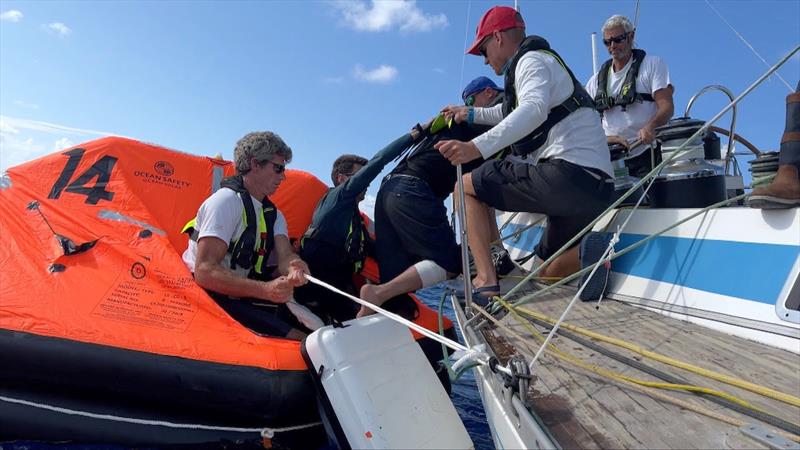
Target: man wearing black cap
(547, 117)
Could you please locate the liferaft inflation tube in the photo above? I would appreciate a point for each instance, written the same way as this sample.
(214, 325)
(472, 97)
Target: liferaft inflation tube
(104, 336)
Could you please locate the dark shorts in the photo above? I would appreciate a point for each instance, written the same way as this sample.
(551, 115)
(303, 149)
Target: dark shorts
(411, 226)
(260, 316)
(325, 264)
(566, 193)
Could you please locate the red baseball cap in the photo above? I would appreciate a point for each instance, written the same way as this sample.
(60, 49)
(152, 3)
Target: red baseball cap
(498, 18)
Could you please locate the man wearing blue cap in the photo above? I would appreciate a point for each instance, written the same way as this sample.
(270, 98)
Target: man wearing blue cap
(482, 92)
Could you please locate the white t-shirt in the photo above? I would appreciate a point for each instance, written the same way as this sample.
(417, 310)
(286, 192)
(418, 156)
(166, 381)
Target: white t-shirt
(220, 216)
(653, 75)
(542, 84)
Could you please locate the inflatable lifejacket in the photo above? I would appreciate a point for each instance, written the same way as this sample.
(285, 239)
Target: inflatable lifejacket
(250, 250)
(100, 314)
(578, 99)
(627, 93)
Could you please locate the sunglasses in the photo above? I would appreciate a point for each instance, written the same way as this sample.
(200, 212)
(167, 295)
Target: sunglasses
(616, 39)
(469, 101)
(484, 44)
(278, 168)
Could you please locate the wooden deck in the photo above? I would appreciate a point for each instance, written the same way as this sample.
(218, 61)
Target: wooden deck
(585, 410)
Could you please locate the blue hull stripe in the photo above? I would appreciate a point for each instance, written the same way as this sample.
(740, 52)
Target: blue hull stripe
(752, 271)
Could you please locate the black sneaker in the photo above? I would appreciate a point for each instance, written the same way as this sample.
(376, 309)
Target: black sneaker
(503, 265)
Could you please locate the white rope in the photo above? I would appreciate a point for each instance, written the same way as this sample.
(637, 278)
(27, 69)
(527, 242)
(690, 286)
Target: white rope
(610, 249)
(422, 330)
(264, 431)
(748, 44)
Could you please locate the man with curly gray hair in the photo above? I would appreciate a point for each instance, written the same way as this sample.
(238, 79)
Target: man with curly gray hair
(236, 231)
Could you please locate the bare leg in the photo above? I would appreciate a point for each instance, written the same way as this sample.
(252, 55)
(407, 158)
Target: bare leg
(564, 265)
(296, 334)
(495, 232)
(478, 234)
(491, 217)
(408, 281)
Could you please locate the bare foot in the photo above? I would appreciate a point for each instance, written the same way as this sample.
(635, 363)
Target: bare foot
(296, 334)
(369, 292)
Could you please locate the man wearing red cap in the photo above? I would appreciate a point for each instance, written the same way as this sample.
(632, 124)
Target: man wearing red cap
(561, 166)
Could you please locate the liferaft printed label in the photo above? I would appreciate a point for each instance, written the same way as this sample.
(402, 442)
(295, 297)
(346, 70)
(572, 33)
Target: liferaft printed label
(147, 296)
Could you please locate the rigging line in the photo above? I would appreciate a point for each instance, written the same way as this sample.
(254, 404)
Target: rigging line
(464, 51)
(675, 384)
(630, 346)
(719, 397)
(739, 35)
(636, 16)
(680, 151)
(424, 331)
(618, 254)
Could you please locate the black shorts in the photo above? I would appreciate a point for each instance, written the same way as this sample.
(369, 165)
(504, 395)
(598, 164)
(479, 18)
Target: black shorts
(260, 316)
(411, 226)
(327, 265)
(566, 193)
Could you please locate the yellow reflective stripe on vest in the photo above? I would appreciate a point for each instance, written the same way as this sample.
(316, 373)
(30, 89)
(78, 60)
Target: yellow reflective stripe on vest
(262, 229)
(189, 224)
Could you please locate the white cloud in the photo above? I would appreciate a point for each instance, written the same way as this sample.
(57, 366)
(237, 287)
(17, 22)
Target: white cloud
(438, 70)
(26, 105)
(35, 125)
(367, 206)
(62, 144)
(383, 74)
(333, 80)
(12, 15)
(58, 28)
(22, 140)
(384, 15)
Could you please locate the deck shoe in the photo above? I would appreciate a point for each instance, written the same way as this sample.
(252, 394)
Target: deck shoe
(478, 294)
(503, 265)
(592, 247)
(501, 260)
(480, 297)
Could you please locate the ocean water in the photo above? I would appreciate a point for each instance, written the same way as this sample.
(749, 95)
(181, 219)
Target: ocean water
(465, 392)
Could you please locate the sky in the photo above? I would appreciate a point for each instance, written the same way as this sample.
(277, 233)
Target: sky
(334, 77)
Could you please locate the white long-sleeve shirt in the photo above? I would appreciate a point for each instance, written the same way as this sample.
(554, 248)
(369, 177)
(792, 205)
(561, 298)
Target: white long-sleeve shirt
(542, 84)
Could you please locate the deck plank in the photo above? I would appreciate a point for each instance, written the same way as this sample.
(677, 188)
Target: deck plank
(585, 410)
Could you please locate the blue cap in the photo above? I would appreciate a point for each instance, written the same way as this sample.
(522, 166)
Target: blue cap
(477, 85)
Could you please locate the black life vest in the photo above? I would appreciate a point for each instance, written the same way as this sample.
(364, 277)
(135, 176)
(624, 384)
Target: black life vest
(244, 252)
(355, 243)
(579, 98)
(627, 93)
